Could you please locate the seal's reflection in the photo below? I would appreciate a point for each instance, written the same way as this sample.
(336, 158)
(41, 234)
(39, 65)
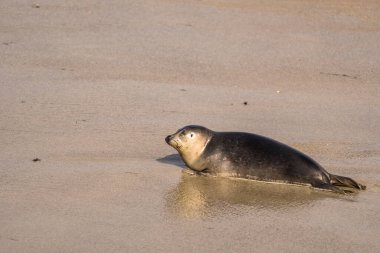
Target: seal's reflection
(198, 196)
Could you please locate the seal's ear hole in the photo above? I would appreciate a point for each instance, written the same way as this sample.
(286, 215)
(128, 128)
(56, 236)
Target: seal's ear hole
(191, 135)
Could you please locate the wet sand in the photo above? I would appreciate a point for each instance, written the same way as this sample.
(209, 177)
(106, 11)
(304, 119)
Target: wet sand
(92, 88)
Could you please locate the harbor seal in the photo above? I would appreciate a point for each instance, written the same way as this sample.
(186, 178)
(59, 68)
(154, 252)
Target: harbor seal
(251, 156)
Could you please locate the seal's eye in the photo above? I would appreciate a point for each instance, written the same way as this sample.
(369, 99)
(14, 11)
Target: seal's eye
(191, 135)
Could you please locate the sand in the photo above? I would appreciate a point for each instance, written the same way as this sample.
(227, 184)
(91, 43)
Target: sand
(91, 89)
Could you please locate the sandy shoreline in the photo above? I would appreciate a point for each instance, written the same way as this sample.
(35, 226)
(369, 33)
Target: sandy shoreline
(92, 89)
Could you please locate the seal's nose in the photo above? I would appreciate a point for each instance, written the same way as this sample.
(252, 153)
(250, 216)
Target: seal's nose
(167, 139)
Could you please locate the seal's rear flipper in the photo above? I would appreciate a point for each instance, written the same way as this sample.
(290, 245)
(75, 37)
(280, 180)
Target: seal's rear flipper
(328, 187)
(345, 182)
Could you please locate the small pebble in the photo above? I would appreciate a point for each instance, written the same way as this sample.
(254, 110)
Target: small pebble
(36, 160)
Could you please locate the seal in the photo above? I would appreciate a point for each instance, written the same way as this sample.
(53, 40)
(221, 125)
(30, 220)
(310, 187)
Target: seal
(252, 156)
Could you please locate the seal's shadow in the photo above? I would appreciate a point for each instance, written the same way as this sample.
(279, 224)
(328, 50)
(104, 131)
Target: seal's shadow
(174, 159)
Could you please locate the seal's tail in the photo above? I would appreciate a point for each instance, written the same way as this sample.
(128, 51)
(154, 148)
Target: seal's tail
(345, 182)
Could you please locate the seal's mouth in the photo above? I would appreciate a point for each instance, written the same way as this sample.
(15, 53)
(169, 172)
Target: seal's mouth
(169, 140)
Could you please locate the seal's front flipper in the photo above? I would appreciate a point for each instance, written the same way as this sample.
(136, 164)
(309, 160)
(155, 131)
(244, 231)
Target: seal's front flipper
(195, 173)
(189, 172)
(328, 187)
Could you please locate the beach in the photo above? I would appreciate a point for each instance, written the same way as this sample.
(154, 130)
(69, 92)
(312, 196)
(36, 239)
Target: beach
(90, 89)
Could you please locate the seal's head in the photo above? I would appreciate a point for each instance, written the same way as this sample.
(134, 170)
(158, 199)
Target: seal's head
(190, 141)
